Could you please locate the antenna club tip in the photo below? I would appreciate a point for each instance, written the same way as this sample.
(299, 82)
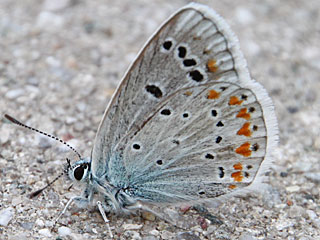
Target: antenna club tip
(11, 119)
(8, 117)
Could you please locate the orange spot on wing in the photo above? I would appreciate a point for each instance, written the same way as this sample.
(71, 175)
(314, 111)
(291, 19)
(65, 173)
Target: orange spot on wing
(243, 113)
(235, 101)
(237, 176)
(212, 65)
(237, 166)
(244, 130)
(188, 93)
(232, 186)
(213, 94)
(244, 150)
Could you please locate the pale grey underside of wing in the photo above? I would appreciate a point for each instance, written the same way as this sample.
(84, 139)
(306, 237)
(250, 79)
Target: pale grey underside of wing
(192, 66)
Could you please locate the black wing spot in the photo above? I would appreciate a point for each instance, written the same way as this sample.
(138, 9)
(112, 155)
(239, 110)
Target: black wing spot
(176, 142)
(246, 174)
(159, 162)
(255, 128)
(255, 147)
(223, 88)
(202, 192)
(154, 90)
(214, 113)
(167, 45)
(209, 156)
(244, 97)
(136, 146)
(218, 139)
(221, 173)
(249, 166)
(166, 112)
(185, 115)
(220, 124)
(182, 52)
(189, 62)
(196, 76)
(251, 109)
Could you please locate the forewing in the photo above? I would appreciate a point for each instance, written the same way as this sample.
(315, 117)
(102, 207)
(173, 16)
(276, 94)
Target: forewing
(187, 122)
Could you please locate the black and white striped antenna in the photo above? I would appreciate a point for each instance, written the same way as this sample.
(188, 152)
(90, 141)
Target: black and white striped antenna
(36, 193)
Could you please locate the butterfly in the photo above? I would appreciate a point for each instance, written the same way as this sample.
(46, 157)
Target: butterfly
(187, 124)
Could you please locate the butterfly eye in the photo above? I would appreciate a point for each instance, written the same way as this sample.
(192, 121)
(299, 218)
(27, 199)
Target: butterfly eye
(79, 172)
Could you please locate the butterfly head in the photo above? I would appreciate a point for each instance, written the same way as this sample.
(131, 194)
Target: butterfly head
(79, 171)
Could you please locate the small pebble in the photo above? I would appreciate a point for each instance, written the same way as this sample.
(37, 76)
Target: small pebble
(5, 134)
(292, 189)
(311, 214)
(39, 223)
(129, 226)
(150, 238)
(16, 200)
(185, 208)
(46, 19)
(315, 177)
(244, 15)
(316, 223)
(45, 232)
(44, 142)
(148, 216)
(154, 232)
(6, 215)
(172, 214)
(289, 203)
(203, 223)
(210, 230)
(13, 94)
(246, 236)
(132, 235)
(187, 236)
(27, 225)
(64, 231)
(56, 5)
(167, 235)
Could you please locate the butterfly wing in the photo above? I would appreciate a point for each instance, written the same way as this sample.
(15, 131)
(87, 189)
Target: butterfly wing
(186, 122)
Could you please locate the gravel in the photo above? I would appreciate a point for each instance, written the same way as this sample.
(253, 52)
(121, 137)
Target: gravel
(61, 61)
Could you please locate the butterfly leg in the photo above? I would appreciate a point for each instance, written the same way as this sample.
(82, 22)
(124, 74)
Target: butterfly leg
(102, 208)
(81, 201)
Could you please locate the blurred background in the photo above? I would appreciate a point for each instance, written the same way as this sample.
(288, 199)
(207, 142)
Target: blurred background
(60, 62)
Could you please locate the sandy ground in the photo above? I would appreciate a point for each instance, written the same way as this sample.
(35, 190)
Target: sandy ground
(60, 62)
